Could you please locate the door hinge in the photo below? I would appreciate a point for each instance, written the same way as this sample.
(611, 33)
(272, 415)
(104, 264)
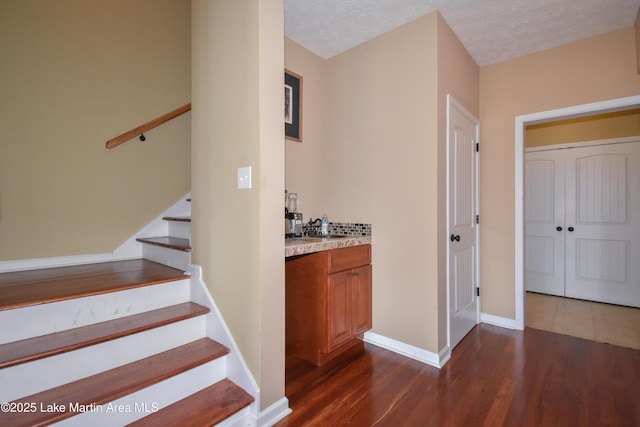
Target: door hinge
(477, 291)
(477, 147)
(477, 219)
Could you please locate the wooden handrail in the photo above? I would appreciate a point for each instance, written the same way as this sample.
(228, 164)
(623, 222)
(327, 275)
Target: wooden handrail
(112, 143)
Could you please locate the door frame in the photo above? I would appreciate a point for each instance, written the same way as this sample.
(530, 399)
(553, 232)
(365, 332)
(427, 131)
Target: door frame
(521, 121)
(452, 102)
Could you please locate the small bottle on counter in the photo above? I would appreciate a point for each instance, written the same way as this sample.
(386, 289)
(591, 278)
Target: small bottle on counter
(324, 230)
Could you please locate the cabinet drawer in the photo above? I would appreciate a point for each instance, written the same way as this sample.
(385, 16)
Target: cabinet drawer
(347, 258)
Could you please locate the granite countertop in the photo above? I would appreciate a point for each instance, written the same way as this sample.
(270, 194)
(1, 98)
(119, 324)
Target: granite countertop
(307, 245)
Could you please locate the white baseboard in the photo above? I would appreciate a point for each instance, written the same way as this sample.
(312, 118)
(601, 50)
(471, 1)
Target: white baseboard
(274, 413)
(502, 322)
(444, 355)
(433, 359)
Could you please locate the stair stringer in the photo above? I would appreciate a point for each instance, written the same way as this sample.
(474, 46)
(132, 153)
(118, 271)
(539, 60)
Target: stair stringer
(157, 227)
(217, 330)
(237, 369)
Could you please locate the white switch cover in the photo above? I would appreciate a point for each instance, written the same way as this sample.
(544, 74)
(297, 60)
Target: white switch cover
(244, 178)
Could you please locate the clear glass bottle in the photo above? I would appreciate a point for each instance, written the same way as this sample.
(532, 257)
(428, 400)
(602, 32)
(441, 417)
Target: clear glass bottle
(324, 230)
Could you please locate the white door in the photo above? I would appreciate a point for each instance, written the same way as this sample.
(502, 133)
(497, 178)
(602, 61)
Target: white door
(462, 210)
(603, 224)
(582, 223)
(544, 222)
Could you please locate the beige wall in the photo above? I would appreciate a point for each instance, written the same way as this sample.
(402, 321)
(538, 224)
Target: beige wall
(379, 150)
(458, 76)
(595, 69)
(73, 75)
(383, 171)
(306, 160)
(618, 124)
(237, 122)
(637, 31)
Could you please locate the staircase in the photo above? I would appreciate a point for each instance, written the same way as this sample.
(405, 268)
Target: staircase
(114, 344)
(173, 249)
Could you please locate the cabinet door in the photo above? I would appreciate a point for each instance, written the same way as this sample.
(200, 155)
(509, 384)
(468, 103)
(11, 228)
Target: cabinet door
(338, 310)
(361, 299)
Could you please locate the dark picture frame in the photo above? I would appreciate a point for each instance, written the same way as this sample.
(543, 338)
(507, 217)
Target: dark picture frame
(292, 106)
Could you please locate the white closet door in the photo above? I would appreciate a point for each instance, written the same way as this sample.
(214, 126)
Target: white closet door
(544, 222)
(603, 224)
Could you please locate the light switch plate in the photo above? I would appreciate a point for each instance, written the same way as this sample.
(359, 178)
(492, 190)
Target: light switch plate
(244, 178)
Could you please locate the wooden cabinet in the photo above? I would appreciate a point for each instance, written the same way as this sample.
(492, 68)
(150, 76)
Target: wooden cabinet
(349, 309)
(328, 302)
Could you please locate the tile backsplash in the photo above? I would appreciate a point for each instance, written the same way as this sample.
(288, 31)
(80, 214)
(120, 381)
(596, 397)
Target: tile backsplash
(344, 229)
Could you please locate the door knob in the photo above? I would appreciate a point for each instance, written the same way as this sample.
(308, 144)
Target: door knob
(455, 237)
(570, 228)
(559, 228)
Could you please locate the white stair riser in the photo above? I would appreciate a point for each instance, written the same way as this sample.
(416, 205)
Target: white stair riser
(33, 377)
(171, 257)
(180, 229)
(59, 316)
(146, 401)
(157, 227)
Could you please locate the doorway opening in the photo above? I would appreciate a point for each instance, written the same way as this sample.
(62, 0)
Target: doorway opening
(520, 123)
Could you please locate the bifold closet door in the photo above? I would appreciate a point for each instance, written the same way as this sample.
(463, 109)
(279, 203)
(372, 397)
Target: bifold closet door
(544, 222)
(603, 223)
(582, 220)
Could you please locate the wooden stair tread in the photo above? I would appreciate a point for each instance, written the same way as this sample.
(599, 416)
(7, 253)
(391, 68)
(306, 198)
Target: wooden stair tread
(113, 384)
(26, 288)
(168, 242)
(27, 350)
(206, 407)
(177, 218)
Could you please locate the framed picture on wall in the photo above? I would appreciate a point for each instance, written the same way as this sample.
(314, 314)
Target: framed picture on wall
(292, 106)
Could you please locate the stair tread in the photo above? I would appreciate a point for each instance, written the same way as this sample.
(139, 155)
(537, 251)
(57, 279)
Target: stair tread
(206, 407)
(177, 218)
(115, 383)
(168, 242)
(60, 342)
(26, 288)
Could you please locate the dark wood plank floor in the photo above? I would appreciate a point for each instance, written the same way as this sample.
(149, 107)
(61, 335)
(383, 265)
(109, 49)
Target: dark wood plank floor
(496, 377)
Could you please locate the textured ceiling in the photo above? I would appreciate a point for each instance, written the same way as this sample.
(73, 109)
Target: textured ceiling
(491, 30)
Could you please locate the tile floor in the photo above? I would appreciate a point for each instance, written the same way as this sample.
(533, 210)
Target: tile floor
(606, 323)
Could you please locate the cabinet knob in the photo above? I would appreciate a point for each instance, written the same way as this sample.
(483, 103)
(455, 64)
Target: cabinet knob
(559, 228)
(570, 228)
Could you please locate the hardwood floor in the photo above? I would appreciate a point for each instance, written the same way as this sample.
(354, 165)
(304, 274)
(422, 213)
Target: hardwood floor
(495, 377)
